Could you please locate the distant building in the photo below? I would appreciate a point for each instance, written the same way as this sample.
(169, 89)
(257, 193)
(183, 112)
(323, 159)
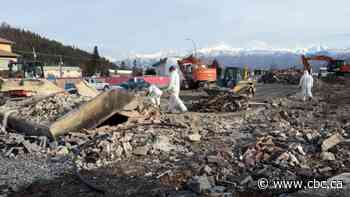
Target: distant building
(124, 72)
(6, 54)
(115, 72)
(67, 72)
(161, 67)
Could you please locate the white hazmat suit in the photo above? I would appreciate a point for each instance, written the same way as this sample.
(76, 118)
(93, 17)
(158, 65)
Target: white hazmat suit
(154, 94)
(174, 90)
(306, 83)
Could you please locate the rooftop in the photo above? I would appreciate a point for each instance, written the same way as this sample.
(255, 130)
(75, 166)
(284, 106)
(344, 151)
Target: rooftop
(4, 41)
(8, 54)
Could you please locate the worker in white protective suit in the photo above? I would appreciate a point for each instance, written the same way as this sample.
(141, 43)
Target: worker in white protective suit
(174, 91)
(306, 83)
(154, 94)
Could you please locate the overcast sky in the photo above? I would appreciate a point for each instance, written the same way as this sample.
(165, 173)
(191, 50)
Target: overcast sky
(119, 27)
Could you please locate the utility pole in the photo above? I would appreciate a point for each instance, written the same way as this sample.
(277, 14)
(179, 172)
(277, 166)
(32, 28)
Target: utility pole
(194, 46)
(60, 67)
(34, 54)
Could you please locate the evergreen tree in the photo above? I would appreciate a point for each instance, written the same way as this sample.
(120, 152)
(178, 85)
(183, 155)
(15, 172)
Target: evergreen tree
(91, 67)
(48, 51)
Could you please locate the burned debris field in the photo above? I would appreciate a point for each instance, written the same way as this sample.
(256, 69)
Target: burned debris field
(274, 135)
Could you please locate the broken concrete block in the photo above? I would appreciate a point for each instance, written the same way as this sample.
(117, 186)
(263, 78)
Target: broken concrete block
(207, 169)
(246, 180)
(163, 144)
(274, 104)
(189, 154)
(194, 137)
(311, 137)
(301, 150)
(327, 156)
(9, 152)
(283, 157)
(199, 184)
(119, 151)
(325, 169)
(213, 159)
(127, 148)
(284, 115)
(62, 151)
(217, 189)
(293, 159)
(141, 151)
(30, 147)
(332, 141)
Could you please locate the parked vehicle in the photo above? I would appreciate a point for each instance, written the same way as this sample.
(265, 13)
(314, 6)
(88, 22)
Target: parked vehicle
(97, 84)
(135, 84)
(70, 88)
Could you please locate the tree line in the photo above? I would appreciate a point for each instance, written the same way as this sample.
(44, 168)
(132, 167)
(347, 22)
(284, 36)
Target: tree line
(51, 52)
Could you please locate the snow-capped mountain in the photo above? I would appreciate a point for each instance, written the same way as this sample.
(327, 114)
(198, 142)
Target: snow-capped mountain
(230, 56)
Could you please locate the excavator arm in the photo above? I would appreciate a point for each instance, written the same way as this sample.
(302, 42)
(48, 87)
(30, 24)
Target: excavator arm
(306, 60)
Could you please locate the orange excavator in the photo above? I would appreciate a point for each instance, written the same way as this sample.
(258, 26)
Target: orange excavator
(339, 67)
(196, 73)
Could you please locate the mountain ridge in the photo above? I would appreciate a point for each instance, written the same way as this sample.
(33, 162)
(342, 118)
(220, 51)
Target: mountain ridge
(255, 57)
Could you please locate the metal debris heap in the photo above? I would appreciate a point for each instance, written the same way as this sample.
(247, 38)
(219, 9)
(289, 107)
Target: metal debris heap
(221, 102)
(286, 76)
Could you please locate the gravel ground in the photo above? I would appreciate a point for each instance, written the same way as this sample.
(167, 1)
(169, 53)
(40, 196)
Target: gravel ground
(216, 143)
(22, 171)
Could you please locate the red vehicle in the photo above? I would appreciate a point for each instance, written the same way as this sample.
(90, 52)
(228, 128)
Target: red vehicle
(339, 67)
(196, 73)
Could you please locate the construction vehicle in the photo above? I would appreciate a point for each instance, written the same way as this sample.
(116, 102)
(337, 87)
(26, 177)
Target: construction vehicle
(234, 79)
(258, 73)
(24, 79)
(237, 80)
(335, 66)
(195, 73)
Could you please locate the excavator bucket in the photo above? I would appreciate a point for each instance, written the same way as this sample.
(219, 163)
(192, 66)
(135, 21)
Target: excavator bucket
(88, 116)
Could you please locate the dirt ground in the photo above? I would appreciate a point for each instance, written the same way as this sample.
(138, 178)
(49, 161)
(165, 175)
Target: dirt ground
(223, 135)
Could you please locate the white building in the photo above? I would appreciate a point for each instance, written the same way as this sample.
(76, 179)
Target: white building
(67, 72)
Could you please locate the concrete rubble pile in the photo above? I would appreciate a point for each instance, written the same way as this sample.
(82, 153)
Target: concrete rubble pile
(286, 76)
(47, 110)
(211, 155)
(13, 144)
(221, 102)
(278, 144)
